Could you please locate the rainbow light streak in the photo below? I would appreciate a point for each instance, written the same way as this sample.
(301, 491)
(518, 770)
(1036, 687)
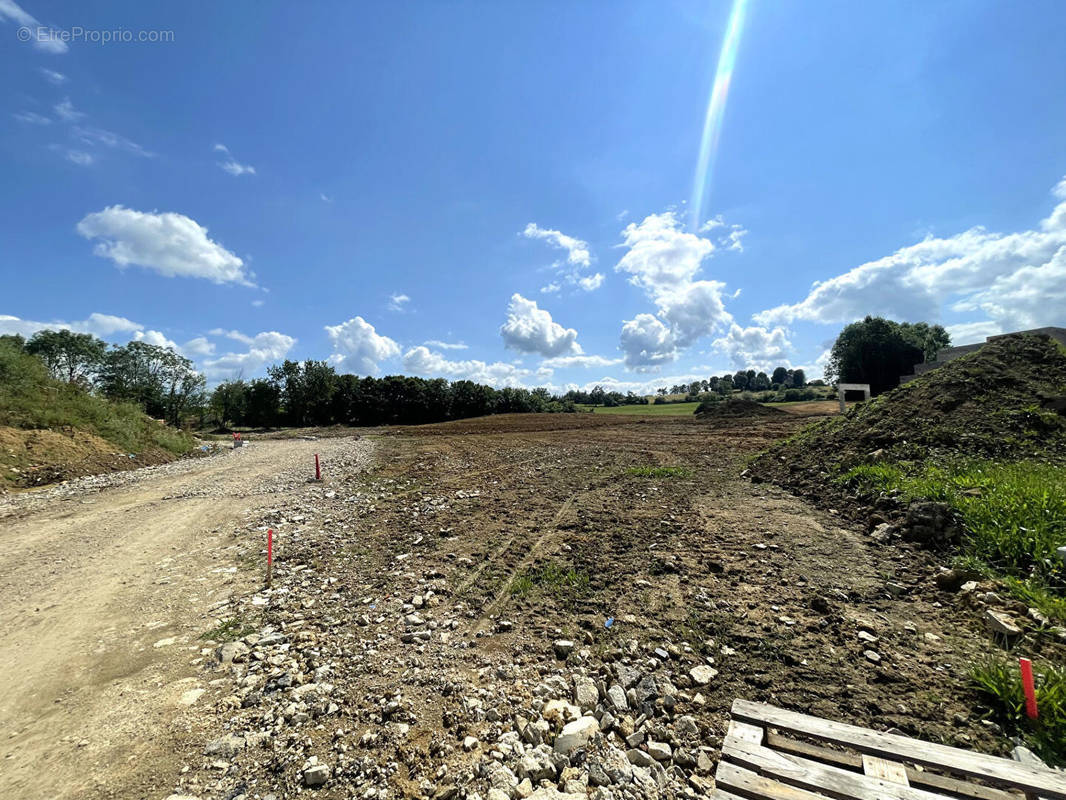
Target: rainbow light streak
(712, 123)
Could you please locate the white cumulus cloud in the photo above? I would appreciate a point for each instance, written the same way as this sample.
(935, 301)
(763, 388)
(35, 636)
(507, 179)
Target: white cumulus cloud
(359, 348)
(664, 260)
(755, 347)
(168, 243)
(263, 349)
(422, 361)
(581, 362)
(1009, 280)
(530, 329)
(647, 344)
(102, 325)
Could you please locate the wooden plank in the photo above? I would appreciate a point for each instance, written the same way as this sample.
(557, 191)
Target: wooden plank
(752, 785)
(1031, 779)
(891, 771)
(745, 732)
(927, 780)
(815, 777)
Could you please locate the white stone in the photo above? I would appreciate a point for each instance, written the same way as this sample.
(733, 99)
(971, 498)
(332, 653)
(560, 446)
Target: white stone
(585, 693)
(701, 674)
(576, 734)
(660, 751)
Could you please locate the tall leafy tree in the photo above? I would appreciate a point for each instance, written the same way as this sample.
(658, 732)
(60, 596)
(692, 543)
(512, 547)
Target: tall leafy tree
(878, 351)
(71, 357)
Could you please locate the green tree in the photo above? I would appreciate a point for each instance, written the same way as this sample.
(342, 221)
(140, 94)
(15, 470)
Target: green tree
(740, 380)
(799, 378)
(779, 376)
(761, 382)
(71, 357)
(229, 402)
(877, 351)
(928, 338)
(164, 383)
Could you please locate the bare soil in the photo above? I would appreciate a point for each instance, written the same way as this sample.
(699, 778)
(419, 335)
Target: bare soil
(102, 599)
(471, 515)
(39, 457)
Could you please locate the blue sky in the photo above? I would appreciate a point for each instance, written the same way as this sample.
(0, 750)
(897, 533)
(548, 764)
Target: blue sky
(501, 190)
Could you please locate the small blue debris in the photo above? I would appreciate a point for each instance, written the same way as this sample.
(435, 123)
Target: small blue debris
(609, 622)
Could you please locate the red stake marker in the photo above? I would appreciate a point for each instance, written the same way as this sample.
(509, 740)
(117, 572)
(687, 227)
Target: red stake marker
(270, 554)
(318, 469)
(1030, 689)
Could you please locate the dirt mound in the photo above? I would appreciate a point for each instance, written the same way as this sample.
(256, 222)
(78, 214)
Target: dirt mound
(998, 402)
(732, 409)
(37, 457)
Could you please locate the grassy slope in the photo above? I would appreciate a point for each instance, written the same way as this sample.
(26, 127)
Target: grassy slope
(30, 399)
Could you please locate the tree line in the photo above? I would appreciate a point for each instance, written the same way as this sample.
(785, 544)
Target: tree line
(313, 393)
(165, 384)
(741, 380)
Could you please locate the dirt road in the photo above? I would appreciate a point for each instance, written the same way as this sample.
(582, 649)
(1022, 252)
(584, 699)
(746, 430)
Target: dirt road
(103, 597)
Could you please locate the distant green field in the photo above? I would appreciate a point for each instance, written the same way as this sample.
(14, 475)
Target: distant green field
(657, 410)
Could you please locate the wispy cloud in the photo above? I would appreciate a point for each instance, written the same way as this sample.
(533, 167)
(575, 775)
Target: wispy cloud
(80, 157)
(446, 345)
(43, 37)
(31, 118)
(231, 165)
(98, 136)
(65, 109)
(578, 258)
(398, 302)
(53, 77)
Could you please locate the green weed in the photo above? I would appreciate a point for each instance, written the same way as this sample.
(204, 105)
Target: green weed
(551, 579)
(229, 630)
(659, 472)
(999, 680)
(1014, 514)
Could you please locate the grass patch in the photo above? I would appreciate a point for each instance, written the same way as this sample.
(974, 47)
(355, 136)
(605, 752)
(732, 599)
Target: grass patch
(999, 681)
(1014, 514)
(229, 630)
(658, 472)
(650, 410)
(551, 579)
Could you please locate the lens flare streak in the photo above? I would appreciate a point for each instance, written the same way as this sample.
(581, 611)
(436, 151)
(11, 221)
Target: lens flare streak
(712, 123)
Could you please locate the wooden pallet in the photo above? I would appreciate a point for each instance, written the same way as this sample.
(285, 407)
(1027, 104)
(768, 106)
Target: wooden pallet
(768, 755)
